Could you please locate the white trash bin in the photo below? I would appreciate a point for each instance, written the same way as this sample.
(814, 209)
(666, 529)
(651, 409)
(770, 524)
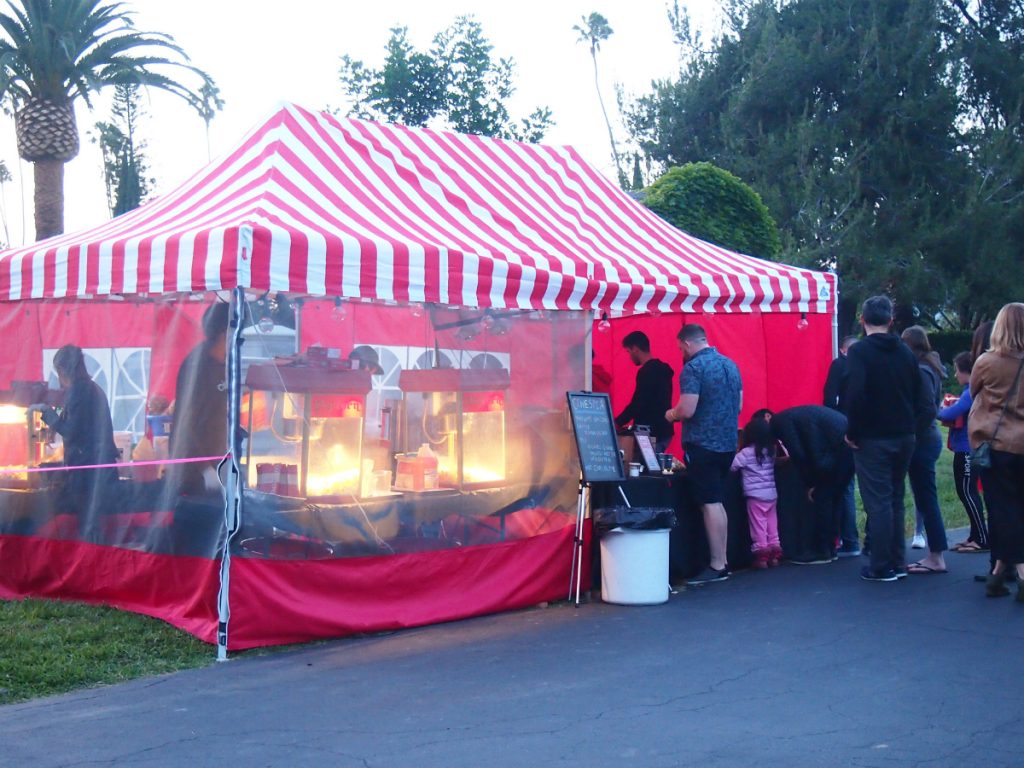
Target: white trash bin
(634, 566)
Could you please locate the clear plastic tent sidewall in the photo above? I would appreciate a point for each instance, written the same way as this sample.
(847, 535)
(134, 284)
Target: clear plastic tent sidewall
(362, 429)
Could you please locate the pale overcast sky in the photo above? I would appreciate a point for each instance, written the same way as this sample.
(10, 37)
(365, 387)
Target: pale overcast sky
(265, 52)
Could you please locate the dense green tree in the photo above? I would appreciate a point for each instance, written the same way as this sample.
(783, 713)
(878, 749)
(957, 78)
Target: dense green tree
(458, 83)
(844, 115)
(712, 204)
(987, 39)
(54, 52)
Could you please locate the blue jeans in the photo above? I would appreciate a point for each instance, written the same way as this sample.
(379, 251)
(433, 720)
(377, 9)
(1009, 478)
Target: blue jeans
(881, 471)
(922, 483)
(848, 519)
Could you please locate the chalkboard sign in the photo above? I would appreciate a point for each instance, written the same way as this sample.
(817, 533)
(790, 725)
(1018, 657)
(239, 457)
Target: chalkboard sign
(596, 441)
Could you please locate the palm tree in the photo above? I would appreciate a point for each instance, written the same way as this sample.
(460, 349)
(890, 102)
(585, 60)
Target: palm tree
(593, 31)
(57, 51)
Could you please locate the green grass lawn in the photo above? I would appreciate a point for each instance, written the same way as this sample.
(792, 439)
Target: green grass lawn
(51, 647)
(953, 512)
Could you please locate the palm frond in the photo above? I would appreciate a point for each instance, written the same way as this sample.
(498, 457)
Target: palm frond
(61, 50)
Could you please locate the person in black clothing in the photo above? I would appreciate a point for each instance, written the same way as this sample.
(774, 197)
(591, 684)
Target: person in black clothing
(87, 431)
(199, 427)
(836, 379)
(653, 394)
(834, 398)
(884, 407)
(814, 437)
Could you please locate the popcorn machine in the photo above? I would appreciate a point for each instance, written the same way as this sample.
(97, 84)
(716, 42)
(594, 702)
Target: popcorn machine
(305, 421)
(25, 441)
(460, 415)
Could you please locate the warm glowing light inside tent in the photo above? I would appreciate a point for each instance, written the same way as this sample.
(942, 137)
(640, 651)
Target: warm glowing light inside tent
(12, 414)
(336, 473)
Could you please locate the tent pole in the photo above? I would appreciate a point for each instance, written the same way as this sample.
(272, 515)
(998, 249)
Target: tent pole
(588, 350)
(233, 475)
(835, 322)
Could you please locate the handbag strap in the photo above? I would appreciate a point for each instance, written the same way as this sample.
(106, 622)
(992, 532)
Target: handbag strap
(1009, 396)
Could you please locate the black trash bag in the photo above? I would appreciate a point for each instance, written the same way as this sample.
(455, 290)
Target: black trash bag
(634, 518)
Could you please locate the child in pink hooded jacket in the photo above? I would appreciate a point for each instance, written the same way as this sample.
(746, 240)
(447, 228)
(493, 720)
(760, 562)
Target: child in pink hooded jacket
(756, 462)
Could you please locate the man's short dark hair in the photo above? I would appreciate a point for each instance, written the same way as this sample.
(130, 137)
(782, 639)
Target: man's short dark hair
(637, 339)
(877, 311)
(215, 320)
(964, 362)
(692, 332)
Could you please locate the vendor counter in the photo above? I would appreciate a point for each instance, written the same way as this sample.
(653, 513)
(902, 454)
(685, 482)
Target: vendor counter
(688, 542)
(142, 516)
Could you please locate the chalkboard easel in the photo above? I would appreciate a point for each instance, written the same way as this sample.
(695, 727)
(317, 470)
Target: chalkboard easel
(596, 441)
(600, 462)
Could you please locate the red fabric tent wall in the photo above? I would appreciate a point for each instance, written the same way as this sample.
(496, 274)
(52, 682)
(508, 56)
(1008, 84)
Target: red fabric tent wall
(782, 363)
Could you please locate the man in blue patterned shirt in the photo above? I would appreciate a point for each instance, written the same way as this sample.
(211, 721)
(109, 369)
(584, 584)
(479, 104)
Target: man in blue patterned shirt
(710, 398)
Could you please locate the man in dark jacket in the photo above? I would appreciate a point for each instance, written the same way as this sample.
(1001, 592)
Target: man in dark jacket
(814, 438)
(835, 382)
(653, 394)
(884, 407)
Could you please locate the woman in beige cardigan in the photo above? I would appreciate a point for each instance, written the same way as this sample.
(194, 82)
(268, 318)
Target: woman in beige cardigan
(997, 417)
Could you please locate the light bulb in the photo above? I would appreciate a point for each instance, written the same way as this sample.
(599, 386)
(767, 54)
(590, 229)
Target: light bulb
(802, 322)
(416, 310)
(605, 325)
(339, 312)
(265, 324)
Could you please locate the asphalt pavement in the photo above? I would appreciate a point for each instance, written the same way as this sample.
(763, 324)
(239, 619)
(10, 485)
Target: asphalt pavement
(796, 666)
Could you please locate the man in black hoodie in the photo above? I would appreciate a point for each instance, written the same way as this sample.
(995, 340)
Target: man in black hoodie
(653, 393)
(884, 406)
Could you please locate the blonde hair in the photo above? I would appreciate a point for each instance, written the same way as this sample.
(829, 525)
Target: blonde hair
(1008, 331)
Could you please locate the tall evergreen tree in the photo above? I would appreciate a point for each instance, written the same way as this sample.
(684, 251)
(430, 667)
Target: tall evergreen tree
(841, 114)
(124, 160)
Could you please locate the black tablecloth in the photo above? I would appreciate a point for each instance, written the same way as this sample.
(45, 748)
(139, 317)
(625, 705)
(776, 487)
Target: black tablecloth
(688, 553)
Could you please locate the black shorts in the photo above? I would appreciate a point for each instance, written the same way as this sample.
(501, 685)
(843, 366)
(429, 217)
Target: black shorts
(708, 472)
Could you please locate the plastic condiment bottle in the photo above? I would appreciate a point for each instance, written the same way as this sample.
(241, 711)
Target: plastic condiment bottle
(428, 461)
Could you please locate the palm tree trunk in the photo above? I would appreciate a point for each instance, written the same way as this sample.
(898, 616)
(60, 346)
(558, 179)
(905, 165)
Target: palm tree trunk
(49, 197)
(607, 122)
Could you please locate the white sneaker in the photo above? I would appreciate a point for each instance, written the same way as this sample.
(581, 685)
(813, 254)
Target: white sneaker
(918, 542)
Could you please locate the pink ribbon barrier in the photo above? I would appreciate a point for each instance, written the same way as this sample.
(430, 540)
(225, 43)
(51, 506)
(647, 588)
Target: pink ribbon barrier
(106, 466)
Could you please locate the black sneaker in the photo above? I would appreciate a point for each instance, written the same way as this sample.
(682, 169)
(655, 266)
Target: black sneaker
(708, 576)
(823, 559)
(901, 572)
(869, 575)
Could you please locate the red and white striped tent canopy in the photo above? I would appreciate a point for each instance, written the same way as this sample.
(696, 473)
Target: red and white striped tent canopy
(317, 205)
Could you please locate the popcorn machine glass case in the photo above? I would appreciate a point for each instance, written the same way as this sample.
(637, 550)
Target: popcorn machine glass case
(460, 415)
(305, 423)
(25, 441)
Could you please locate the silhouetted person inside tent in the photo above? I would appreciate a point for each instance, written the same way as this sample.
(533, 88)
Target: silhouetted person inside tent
(199, 427)
(87, 431)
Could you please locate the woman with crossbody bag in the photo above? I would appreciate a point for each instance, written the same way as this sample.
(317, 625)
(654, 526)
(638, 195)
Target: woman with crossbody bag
(996, 425)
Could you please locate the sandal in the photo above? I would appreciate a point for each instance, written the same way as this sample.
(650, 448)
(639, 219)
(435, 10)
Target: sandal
(967, 547)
